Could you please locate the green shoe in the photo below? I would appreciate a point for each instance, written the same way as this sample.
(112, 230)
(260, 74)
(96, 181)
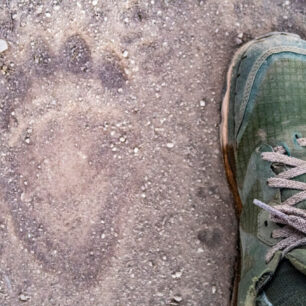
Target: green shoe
(262, 135)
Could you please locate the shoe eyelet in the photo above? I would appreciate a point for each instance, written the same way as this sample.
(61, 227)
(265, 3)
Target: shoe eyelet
(284, 145)
(266, 223)
(296, 136)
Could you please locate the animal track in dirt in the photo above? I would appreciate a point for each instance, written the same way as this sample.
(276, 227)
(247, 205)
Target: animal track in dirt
(67, 158)
(76, 54)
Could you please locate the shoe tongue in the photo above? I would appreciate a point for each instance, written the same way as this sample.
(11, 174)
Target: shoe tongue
(297, 257)
(298, 152)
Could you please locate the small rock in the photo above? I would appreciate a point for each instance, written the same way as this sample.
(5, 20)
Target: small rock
(125, 54)
(23, 297)
(202, 103)
(213, 289)
(238, 41)
(177, 298)
(3, 45)
(200, 250)
(170, 145)
(177, 274)
(39, 10)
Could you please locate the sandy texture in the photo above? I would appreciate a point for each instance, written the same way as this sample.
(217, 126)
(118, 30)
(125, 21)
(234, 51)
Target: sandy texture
(112, 183)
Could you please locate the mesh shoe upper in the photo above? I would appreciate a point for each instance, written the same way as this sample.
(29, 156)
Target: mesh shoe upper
(268, 98)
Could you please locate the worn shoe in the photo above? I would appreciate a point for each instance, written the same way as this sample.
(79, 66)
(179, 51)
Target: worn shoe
(263, 136)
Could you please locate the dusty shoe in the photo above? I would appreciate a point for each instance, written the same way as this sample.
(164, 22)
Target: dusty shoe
(263, 136)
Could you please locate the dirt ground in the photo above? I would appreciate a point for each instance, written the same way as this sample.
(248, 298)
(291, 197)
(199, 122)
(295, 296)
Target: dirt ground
(112, 183)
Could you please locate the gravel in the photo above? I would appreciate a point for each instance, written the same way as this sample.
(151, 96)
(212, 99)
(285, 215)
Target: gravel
(118, 195)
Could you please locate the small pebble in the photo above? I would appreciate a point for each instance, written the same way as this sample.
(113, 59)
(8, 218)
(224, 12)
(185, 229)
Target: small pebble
(239, 38)
(170, 145)
(200, 250)
(125, 53)
(213, 289)
(177, 298)
(238, 41)
(3, 45)
(23, 297)
(177, 274)
(202, 103)
(39, 10)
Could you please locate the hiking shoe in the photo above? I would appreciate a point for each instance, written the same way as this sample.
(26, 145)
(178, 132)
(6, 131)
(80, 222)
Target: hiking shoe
(263, 136)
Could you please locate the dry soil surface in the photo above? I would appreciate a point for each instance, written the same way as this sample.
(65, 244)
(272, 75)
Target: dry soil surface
(112, 184)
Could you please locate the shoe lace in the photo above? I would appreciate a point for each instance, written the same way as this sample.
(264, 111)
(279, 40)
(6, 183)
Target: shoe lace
(293, 233)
